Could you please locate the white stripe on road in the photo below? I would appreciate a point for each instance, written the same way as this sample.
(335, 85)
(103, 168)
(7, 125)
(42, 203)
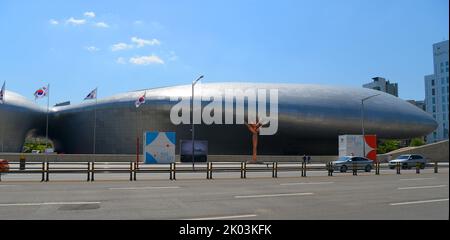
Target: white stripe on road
(8, 185)
(224, 217)
(143, 188)
(418, 202)
(305, 183)
(415, 179)
(46, 203)
(421, 187)
(275, 195)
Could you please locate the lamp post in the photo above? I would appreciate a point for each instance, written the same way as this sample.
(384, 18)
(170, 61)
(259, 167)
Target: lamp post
(362, 121)
(192, 128)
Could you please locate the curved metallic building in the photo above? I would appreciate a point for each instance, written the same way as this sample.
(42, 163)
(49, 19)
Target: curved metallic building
(310, 118)
(18, 117)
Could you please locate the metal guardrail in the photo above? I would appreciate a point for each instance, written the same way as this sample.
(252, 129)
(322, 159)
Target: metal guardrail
(91, 168)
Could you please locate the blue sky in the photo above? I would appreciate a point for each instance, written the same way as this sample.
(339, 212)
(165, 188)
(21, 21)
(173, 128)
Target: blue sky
(127, 45)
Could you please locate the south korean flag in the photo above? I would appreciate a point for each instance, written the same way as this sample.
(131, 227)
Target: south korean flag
(140, 100)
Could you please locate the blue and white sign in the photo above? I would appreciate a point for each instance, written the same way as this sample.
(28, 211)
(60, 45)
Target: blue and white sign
(159, 147)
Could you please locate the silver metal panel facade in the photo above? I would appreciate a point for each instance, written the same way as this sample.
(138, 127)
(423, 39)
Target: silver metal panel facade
(18, 116)
(310, 119)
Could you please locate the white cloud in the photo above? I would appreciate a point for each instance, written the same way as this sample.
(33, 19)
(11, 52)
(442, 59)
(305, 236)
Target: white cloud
(121, 60)
(89, 14)
(101, 25)
(142, 42)
(138, 22)
(92, 49)
(121, 46)
(172, 56)
(53, 22)
(75, 22)
(146, 60)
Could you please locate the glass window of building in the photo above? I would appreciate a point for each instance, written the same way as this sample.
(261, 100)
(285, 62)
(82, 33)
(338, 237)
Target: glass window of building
(434, 108)
(432, 82)
(433, 92)
(433, 100)
(434, 134)
(442, 81)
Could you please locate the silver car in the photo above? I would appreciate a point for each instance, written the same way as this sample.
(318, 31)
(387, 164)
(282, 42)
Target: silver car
(408, 161)
(348, 162)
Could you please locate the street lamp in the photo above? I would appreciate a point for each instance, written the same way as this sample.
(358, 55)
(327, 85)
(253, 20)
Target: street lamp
(192, 128)
(362, 121)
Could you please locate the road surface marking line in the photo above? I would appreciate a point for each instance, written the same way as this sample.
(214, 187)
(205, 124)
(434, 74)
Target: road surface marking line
(223, 217)
(46, 203)
(306, 183)
(275, 195)
(143, 188)
(8, 185)
(418, 202)
(421, 187)
(414, 179)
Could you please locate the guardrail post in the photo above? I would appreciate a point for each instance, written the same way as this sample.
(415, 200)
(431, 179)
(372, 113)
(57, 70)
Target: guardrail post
(245, 169)
(136, 167)
(301, 169)
(435, 167)
(276, 169)
(174, 171)
(47, 172)
(329, 167)
(242, 169)
(43, 171)
(418, 168)
(92, 171)
(88, 171)
(273, 170)
(304, 169)
(398, 166)
(210, 170)
(170, 171)
(131, 171)
(355, 169)
(377, 168)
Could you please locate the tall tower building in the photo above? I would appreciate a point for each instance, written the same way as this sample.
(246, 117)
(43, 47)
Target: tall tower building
(436, 92)
(381, 84)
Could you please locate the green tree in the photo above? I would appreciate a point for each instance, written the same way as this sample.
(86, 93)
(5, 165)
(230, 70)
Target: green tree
(388, 146)
(415, 142)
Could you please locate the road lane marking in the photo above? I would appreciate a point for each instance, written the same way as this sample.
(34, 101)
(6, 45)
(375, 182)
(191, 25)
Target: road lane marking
(46, 203)
(143, 188)
(275, 195)
(306, 183)
(224, 217)
(415, 179)
(418, 202)
(421, 187)
(8, 185)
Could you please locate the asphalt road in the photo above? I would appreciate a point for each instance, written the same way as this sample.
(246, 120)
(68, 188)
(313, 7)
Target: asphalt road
(191, 196)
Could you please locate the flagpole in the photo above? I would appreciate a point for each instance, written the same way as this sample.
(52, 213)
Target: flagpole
(46, 129)
(95, 118)
(137, 134)
(3, 121)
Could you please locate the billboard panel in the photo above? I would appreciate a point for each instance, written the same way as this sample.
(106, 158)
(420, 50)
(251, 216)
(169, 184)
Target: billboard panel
(159, 147)
(353, 145)
(201, 151)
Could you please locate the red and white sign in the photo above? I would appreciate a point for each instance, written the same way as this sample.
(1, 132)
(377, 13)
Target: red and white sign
(352, 145)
